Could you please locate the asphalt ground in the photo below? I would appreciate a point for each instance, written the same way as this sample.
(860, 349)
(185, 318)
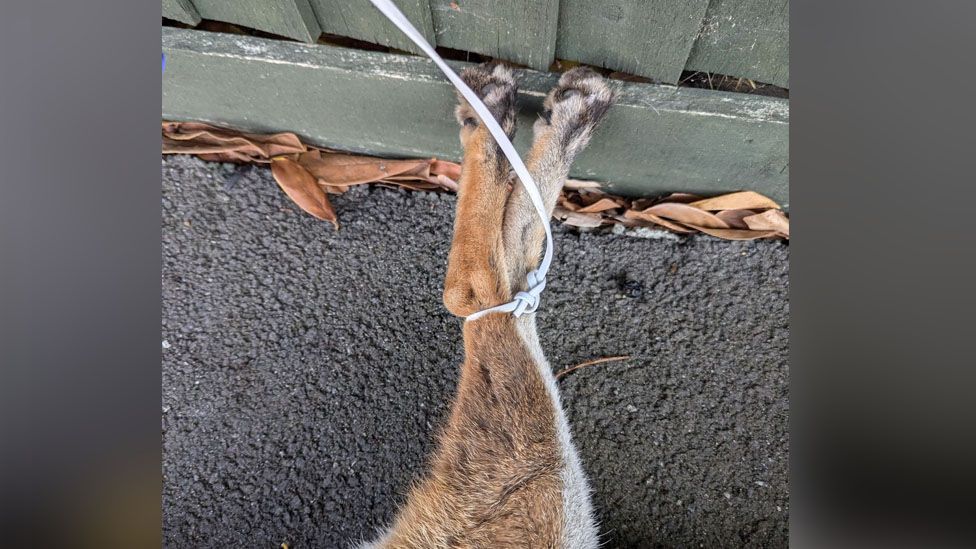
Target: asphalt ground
(305, 370)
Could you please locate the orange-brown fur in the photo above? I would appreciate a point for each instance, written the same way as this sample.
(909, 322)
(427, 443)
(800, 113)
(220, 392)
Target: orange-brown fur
(495, 478)
(475, 269)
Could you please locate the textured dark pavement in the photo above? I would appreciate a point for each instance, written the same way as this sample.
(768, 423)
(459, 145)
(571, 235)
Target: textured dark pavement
(305, 370)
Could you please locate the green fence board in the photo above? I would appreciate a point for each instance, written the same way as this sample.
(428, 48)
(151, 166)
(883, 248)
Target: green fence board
(362, 21)
(650, 38)
(655, 139)
(182, 11)
(521, 31)
(289, 18)
(745, 38)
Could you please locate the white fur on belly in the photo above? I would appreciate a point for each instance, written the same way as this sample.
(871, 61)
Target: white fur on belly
(579, 525)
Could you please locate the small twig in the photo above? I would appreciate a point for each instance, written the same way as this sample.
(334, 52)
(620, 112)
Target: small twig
(562, 373)
(689, 77)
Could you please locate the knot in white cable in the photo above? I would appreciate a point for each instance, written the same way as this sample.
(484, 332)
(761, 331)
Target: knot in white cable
(528, 301)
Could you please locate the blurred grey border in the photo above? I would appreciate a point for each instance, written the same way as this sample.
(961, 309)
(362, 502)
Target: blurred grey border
(882, 437)
(80, 265)
(882, 126)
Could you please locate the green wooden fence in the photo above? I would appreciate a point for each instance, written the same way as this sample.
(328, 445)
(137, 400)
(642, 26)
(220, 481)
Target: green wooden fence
(658, 138)
(657, 39)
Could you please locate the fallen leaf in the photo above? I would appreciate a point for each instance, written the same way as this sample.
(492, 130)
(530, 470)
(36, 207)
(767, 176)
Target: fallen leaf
(306, 174)
(447, 183)
(684, 198)
(448, 169)
(734, 217)
(577, 219)
(413, 185)
(735, 234)
(770, 220)
(333, 189)
(198, 138)
(642, 203)
(346, 169)
(645, 216)
(601, 205)
(686, 214)
(629, 222)
(227, 156)
(566, 201)
(301, 186)
(577, 184)
(743, 200)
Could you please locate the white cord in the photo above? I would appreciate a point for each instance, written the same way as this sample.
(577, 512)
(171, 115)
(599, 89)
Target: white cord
(527, 301)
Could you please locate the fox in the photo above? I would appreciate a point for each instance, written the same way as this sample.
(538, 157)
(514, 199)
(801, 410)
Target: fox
(505, 472)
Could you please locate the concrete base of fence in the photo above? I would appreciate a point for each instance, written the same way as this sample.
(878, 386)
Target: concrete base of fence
(656, 138)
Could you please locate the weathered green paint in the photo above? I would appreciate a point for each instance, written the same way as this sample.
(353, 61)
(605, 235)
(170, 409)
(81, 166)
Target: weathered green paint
(650, 38)
(745, 38)
(656, 138)
(182, 11)
(362, 21)
(289, 18)
(521, 31)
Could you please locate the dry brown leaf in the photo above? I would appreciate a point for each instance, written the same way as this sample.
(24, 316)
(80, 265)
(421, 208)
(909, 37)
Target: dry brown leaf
(306, 174)
(734, 217)
(684, 198)
(566, 201)
(577, 219)
(577, 184)
(413, 185)
(197, 138)
(645, 216)
(735, 234)
(587, 197)
(629, 222)
(404, 177)
(227, 156)
(301, 187)
(642, 203)
(333, 189)
(688, 215)
(601, 205)
(743, 200)
(446, 182)
(770, 220)
(445, 168)
(346, 169)
(586, 201)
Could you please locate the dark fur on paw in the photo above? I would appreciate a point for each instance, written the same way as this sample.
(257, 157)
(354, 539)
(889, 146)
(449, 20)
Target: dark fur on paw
(575, 107)
(495, 85)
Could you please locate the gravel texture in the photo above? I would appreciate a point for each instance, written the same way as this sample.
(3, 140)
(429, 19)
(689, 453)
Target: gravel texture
(305, 369)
